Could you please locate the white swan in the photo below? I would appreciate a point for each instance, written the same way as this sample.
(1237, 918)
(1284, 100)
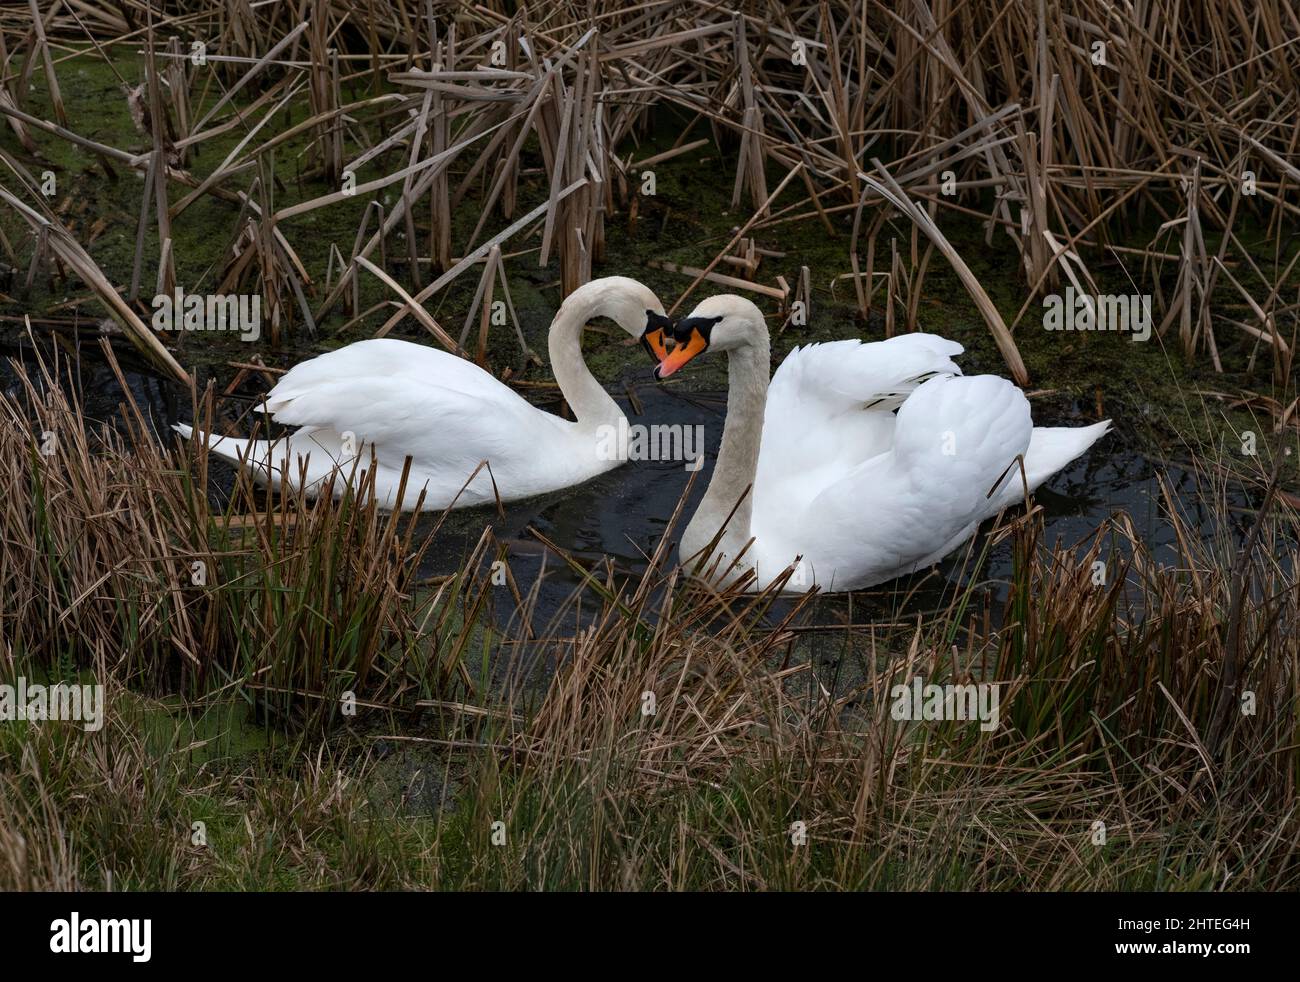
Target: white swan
(845, 490)
(447, 414)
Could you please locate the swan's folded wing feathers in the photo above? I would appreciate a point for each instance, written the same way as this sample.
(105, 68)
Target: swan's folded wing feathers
(379, 358)
(434, 424)
(962, 426)
(836, 376)
(955, 438)
(829, 402)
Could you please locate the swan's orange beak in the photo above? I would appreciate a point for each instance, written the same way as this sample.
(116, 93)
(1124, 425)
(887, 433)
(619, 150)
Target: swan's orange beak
(655, 343)
(695, 344)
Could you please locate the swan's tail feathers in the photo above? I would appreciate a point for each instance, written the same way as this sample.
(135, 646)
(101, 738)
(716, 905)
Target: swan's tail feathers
(1051, 449)
(252, 455)
(310, 456)
(274, 403)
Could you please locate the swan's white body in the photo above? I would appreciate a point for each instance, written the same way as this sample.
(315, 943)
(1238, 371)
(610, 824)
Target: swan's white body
(448, 415)
(844, 489)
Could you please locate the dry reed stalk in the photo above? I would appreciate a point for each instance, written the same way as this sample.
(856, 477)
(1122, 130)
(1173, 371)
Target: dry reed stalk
(887, 187)
(324, 94)
(161, 149)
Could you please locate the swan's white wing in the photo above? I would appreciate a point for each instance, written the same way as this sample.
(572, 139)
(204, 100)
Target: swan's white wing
(829, 408)
(430, 422)
(383, 358)
(825, 400)
(954, 438)
(447, 414)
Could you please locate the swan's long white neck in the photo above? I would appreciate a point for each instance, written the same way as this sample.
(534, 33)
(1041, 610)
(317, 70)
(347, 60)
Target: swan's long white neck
(592, 406)
(748, 368)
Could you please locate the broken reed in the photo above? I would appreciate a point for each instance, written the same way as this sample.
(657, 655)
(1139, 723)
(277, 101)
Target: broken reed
(1064, 127)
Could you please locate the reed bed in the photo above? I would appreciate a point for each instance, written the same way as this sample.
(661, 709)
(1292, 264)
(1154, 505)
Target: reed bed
(120, 560)
(1095, 141)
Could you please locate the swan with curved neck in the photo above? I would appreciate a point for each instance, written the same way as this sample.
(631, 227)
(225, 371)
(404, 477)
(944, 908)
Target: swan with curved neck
(397, 400)
(860, 462)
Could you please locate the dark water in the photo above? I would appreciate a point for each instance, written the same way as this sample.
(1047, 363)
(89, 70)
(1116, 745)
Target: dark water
(624, 514)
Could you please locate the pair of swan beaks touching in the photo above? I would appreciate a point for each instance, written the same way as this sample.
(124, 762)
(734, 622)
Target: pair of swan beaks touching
(857, 463)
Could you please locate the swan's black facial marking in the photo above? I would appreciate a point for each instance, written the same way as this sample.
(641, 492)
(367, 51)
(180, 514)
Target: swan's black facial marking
(654, 338)
(704, 325)
(692, 335)
(658, 329)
